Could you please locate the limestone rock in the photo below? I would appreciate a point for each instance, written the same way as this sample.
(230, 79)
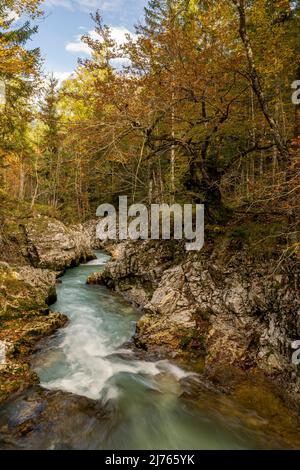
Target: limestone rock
(235, 313)
(53, 245)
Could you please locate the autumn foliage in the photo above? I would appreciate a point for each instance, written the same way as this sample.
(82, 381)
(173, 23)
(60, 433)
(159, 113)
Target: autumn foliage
(195, 107)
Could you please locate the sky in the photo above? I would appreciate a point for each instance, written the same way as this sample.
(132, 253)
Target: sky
(65, 21)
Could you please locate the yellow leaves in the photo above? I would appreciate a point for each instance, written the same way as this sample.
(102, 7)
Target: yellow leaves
(193, 6)
(15, 60)
(29, 7)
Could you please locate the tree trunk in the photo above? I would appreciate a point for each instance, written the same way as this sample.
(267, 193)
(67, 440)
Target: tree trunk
(255, 81)
(172, 172)
(21, 182)
(203, 187)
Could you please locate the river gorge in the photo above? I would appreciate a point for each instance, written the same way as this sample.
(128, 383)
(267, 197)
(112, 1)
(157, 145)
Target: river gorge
(98, 391)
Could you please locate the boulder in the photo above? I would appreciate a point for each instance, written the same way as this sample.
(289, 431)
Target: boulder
(53, 245)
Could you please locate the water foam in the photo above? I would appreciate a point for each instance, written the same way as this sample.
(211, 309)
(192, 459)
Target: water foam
(89, 357)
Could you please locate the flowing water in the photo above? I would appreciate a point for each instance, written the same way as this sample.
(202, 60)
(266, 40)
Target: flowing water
(149, 407)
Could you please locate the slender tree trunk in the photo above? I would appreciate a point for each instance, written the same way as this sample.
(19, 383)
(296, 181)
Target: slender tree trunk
(274, 164)
(261, 166)
(253, 170)
(56, 182)
(253, 118)
(172, 155)
(161, 183)
(21, 182)
(150, 196)
(247, 178)
(255, 80)
(34, 196)
(283, 115)
(242, 182)
(137, 170)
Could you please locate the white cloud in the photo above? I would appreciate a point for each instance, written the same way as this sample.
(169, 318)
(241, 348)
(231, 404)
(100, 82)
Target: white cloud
(118, 34)
(87, 5)
(78, 47)
(62, 76)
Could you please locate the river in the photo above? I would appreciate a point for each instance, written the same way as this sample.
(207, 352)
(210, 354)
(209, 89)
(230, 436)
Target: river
(151, 403)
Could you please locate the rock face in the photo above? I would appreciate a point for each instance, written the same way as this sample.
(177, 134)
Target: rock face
(52, 245)
(235, 313)
(25, 319)
(89, 229)
(38, 250)
(45, 242)
(25, 290)
(137, 268)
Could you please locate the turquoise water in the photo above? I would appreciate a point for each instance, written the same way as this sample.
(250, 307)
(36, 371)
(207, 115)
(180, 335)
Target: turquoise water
(150, 411)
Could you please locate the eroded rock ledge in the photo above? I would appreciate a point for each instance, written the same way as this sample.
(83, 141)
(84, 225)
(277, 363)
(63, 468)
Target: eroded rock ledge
(220, 312)
(53, 245)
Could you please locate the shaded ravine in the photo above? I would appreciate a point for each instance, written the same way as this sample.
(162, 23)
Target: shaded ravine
(113, 399)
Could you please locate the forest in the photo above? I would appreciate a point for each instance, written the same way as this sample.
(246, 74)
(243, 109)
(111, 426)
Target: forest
(195, 107)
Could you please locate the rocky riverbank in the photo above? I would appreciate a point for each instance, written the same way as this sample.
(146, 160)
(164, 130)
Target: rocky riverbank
(35, 251)
(220, 310)
(226, 313)
(46, 416)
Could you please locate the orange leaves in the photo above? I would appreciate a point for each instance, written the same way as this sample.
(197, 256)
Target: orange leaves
(15, 60)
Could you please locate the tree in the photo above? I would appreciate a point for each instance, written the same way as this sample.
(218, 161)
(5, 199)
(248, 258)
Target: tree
(50, 141)
(19, 69)
(256, 82)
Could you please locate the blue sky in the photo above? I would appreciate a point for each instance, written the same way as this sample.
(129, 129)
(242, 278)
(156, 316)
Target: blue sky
(66, 20)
